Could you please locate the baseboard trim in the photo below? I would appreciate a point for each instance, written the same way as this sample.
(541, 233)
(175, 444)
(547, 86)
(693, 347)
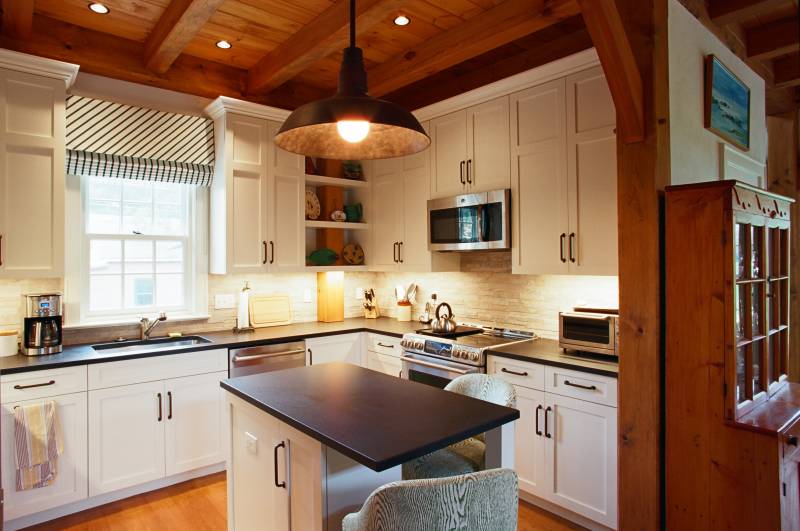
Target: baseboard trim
(563, 513)
(96, 501)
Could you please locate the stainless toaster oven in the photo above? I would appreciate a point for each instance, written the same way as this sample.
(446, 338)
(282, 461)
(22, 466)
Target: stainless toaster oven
(589, 332)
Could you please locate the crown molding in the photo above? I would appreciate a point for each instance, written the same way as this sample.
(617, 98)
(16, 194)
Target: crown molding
(224, 104)
(524, 80)
(40, 66)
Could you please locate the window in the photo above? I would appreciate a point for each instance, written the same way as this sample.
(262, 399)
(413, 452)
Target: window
(137, 247)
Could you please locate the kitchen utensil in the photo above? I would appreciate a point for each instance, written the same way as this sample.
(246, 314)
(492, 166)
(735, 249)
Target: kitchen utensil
(353, 254)
(399, 293)
(411, 291)
(270, 310)
(312, 205)
(404, 311)
(443, 324)
(430, 307)
(371, 305)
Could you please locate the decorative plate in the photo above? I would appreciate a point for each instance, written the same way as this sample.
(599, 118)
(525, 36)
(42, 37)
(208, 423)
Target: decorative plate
(353, 254)
(312, 205)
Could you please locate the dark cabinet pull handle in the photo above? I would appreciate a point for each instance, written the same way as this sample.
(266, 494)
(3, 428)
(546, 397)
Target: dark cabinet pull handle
(579, 386)
(400, 252)
(169, 405)
(572, 247)
(394, 251)
(30, 386)
(546, 431)
(515, 373)
(461, 170)
(561, 247)
(792, 440)
(385, 345)
(1, 249)
(538, 409)
(160, 409)
(282, 484)
(266, 256)
(310, 357)
(400, 374)
(469, 167)
(272, 252)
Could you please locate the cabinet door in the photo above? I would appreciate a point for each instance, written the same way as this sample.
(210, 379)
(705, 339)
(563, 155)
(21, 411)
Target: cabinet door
(70, 484)
(414, 253)
(390, 365)
(539, 180)
(449, 154)
(304, 456)
(126, 437)
(255, 501)
(592, 170)
(32, 133)
(246, 142)
(328, 349)
(287, 243)
(582, 458)
(387, 213)
(489, 164)
(529, 442)
(193, 429)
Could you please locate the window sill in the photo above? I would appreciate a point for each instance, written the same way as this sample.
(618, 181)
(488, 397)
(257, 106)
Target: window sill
(131, 321)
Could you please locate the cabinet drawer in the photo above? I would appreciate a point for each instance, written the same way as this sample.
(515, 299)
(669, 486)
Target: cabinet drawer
(384, 345)
(37, 384)
(518, 372)
(790, 442)
(127, 372)
(581, 385)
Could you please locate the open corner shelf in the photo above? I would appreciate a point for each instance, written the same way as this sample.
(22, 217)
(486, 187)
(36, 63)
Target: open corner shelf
(322, 180)
(313, 224)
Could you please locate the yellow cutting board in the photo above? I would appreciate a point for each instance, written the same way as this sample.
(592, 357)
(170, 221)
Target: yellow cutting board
(270, 310)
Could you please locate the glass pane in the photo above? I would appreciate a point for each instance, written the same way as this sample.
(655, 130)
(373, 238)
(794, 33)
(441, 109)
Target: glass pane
(169, 193)
(756, 346)
(739, 249)
(771, 346)
(103, 217)
(139, 256)
(758, 320)
(138, 291)
(757, 256)
(105, 292)
(740, 374)
(105, 188)
(137, 218)
(739, 310)
(169, 257)
(169, 290)
(105, 256)
(138, 191)
(170, 220)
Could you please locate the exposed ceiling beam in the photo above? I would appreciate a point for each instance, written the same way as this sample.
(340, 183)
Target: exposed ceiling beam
(774, 39)
(787, 71)
(17, 18)
(725, 12)
(176, 28)
(619, 64)
(323, 36)
(491, 29)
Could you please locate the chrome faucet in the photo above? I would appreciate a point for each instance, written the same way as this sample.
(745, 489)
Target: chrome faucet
(146, 326)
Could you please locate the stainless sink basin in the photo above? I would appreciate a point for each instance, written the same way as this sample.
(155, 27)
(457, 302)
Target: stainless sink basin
(152, 345)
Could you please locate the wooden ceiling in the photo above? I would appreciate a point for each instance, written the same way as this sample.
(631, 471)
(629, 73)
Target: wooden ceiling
(287, 52)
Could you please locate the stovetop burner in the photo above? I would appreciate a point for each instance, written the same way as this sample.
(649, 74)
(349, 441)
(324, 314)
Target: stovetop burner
(460, 331)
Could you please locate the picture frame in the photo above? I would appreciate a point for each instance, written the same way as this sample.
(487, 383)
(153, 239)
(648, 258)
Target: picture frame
(727, 104)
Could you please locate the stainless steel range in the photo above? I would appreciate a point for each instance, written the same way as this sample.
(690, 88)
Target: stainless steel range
(436, 360)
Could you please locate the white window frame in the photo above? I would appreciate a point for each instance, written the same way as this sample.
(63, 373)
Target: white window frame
(76, 282)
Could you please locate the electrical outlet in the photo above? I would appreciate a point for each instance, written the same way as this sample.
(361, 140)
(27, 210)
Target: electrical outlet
(307, 295)
(224, 301)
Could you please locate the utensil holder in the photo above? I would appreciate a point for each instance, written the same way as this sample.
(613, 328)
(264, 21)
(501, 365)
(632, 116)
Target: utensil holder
(403, 312)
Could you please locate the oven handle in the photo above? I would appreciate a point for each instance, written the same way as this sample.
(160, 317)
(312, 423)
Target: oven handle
(588, 315)
(435, 365)
(237, 357)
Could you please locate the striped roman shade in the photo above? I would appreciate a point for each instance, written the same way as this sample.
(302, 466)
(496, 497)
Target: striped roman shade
(114, 140)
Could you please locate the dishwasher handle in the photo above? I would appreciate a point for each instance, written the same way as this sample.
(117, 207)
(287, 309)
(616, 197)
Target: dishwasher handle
(237, 357)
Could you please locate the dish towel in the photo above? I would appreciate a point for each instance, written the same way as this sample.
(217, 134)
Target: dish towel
(38, 444)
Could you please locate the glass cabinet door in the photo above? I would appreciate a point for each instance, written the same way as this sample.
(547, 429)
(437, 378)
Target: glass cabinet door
(777, 300)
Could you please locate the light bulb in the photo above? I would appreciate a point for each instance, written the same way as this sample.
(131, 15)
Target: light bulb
(353, 131)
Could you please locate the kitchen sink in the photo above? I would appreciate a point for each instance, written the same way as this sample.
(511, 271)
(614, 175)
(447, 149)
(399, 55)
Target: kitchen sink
(151, 345)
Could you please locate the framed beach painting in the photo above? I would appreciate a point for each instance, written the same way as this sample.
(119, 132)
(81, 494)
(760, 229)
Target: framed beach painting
(727, 104)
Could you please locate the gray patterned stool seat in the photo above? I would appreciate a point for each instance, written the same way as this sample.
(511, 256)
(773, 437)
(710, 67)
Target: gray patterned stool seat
(468, 455)
(481, 501)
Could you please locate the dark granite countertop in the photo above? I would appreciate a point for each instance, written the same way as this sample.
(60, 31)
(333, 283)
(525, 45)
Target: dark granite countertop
(547, 352)
(368, 416)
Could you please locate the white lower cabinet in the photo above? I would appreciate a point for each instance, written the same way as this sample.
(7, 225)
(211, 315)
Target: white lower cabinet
(565, 447)
(344, 347)
(70, 484)
(391, 365)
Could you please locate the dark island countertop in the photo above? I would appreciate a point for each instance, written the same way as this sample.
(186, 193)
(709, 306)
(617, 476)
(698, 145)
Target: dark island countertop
(368, 416)
(547, 352)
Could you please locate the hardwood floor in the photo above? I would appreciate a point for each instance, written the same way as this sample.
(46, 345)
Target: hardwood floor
(200, 505)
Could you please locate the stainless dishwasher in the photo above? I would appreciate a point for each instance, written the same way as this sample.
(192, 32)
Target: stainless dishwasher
(266, 358)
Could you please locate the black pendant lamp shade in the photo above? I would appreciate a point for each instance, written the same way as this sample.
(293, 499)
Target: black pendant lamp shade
(314, 129)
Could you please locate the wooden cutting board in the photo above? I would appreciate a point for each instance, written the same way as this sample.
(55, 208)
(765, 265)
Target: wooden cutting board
(270, 310)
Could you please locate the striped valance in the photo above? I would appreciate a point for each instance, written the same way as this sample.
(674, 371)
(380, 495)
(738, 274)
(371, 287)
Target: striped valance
(114, 140)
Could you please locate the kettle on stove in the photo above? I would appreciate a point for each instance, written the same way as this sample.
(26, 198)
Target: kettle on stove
(444, 324)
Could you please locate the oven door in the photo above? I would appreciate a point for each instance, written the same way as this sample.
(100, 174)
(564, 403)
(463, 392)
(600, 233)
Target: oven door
(470, 222)
(433, 371)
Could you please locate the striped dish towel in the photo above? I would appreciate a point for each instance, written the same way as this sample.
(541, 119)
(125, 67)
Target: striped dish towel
(38, 444)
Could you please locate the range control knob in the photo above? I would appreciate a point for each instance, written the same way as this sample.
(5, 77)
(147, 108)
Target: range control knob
(473, 356)
(419, 345)
(404, 343)
(458, 352)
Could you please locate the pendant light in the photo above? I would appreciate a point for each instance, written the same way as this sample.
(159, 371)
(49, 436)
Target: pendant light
(352, 124)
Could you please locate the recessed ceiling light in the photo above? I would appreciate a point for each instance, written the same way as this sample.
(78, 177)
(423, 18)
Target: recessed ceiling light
(225, 45)
(402, 20)
(99, 8)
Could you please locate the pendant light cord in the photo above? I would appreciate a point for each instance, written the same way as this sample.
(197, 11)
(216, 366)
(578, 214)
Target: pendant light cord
(352, 23)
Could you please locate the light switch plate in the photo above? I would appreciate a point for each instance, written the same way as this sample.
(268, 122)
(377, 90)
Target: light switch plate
(224, 301)
(251, 442)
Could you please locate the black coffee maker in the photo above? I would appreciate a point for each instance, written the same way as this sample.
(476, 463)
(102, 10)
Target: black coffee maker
(43, 324)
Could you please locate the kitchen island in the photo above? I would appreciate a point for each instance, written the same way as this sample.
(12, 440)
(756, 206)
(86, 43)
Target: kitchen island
(308, 445)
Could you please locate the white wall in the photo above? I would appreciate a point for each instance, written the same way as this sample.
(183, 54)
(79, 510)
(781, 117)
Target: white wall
(695, 151)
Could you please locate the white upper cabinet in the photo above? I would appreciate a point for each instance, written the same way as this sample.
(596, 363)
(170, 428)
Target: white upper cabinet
(286, 244)
(387, 215)
(564, 175)
(32, 151)
(470, 150)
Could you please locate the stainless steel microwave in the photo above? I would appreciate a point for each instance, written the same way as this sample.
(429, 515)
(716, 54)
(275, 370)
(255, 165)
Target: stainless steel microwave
(470, 222)
(589, 332)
